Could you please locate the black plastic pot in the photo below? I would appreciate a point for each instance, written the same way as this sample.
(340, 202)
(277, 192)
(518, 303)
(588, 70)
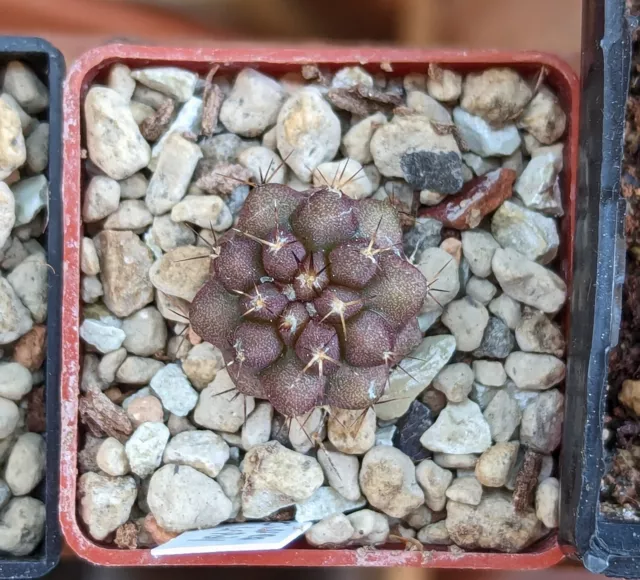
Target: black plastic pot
(605, 546)
(47, 62)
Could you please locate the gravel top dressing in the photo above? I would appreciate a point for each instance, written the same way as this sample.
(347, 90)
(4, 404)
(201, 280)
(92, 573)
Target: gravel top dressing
(329, 297)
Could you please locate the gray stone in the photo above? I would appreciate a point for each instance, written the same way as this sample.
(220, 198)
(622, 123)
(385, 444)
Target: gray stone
(203, 450)
(434, 481)
(426, 105)
(264, 164)
(26, 463)
(30, 282)
(181, 498)
(478, 247)
(146, 332)
(102, 335)
(22, 526)
(455, 460)
(204, 211)
(334, 530)
(503, 415)
(114, 141)
(137, 370)
(467, 320)
(410, 428)
(480, 165)
(180, 273)
(15, 381)
(440, 270)
(170, 235)
(528, 282)
(38, 148)
(530, 233)
(7, 213)
(426, 362)
(489, 373)
(481, 290)
(308, 132)
(174, 390)
(536, 333)
(459, 429)
(506, 309)
(425, 233)
(91, 289)
(253, 104)
(497, 341)
(454, 381)
(131, 214)
(202, 363)
(119, 79)
(345, 175)
(134, 187)
(175, 82)
(536, 185)
(356, 142)
(541, 427)
(31, 196)
(435, 534)
(324, 502)
(341, 471)
(257, 426)
(534, 371)
(484, 140)
(465, 490)
(351, 76)
(145, 447)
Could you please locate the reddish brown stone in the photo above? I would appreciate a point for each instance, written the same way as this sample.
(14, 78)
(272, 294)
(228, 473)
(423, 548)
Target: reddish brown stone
(478, 198)
(159, 535)
(127, 536)
(36, 411)
(30, 349)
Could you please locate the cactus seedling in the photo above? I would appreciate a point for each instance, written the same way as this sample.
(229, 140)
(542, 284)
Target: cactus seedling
(310, 299)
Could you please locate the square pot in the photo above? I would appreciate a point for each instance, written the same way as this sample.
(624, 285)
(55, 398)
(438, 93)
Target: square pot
(47, 62)
(273, 60)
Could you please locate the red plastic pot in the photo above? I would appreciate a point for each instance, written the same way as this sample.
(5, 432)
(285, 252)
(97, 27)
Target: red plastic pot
(278, 60)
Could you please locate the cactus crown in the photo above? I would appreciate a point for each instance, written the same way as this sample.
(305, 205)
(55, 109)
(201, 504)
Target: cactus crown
(310, 299)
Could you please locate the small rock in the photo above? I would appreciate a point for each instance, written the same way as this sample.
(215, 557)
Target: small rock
(443, 84)
(114, 141)
(455, 381)
(173, 172)
(324, 502)
(528, 282)
(352, 432)
(179, 424)
(515, 161)
(410, 428)
(137, 370)
(276, 477)
(426, 105)
(131, 214)
(497, 340)
(356, 142)
(269, 139)
(467, 320)
(144, 409)
(26, 463)
(386, 468)
(38, 148)
(124, 264)
(453, 247)
(31, 196)
(230, 480)
(478, 247)
(460, 428)
(481, 165)
(89, 263)
(105, 502)
(174, 390)
(544, 117)
(428, 197)
(547, 502)
(112, 458)
(466, 490)
(90, 380)
(385, 435)
(351, 76)
(506, 309)
(489, 373)
(483, 139)
(536, 184)
(341, 471)
(146, 332)
(530, 233)
(494, 465)
(541, 427)
(455, 460)
(257, 427)
(481, 290)
(15, 381)
(345, 175)
(253, 104)
(436, 263)
(27, 122)
(23, 522)
(203, 450)
(172, 81)
(419, 517)
(25, 87)
(134, 187)
(30, 282)
(181, 498)
(435, 534)
(534, 371)
(170, 235)
(523, 398)
(204, 211)
(102, 335)
(503, 416)
(308, 132)
(426, 362)
(145, 447)
(434, 481)
(201, 365)
(370, 528)
(29, 350)
(424, 234)
(305, 427)
(119, 79)
(7, 213)
(333, 530)
(13, 151)
(101, 198)
(536, 333)
(264, 164)
(494, 524)
(179, 272)
(409, 147)
(498, 95)
(140, 112)
(223, 148)
(220, 410)
(5, 494)
(188, 120)
(478, 198)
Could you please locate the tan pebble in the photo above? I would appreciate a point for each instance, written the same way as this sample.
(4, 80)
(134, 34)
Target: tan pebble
(144, 410)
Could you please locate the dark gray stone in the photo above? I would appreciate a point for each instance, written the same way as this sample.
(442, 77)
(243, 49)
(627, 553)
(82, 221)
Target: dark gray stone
(424, 234)
(439, 171)
(410, 427)
(497, 341)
